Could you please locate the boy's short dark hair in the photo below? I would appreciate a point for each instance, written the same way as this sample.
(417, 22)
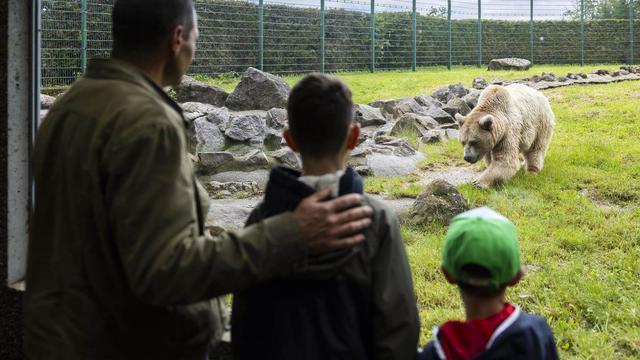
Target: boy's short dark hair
(142, 25)
(320, 113)
(479, 272)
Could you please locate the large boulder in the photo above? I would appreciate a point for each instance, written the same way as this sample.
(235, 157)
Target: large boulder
(220, 117)
(447, 93)
(439, 202)
(457, 106)
(417, 124)
(479, 83)
(385, 156)
(46, 101)
(510, 64)
(247, 127)
(367, 115)
(221, 161)
(207, 136)
(427, 101)
(397, 108)
(258, 90)
(194, 90)
(439, 115)
(287, 157)
(277, 118)
(472, 98)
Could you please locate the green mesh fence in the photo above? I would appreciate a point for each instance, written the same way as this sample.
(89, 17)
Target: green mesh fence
(299, 36)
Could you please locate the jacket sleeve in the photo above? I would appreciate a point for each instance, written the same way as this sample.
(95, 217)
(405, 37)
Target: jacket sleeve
(395, 314)
(153, 219)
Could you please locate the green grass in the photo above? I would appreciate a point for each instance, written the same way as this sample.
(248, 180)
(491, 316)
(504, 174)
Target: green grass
(396, 84)
(578, 223)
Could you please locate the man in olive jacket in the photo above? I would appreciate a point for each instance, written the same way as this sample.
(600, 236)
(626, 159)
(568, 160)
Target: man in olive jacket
(119, 264)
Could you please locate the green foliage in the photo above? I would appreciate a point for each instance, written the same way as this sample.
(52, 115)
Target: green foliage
(604, 9)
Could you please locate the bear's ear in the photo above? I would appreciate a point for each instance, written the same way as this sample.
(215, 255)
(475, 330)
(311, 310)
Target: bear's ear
(486, 122)
(459, 119)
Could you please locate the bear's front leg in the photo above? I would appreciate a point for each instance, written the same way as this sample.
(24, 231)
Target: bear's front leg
(497, 172)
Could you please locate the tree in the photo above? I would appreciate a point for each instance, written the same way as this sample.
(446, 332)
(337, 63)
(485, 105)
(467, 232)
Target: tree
(604, 9)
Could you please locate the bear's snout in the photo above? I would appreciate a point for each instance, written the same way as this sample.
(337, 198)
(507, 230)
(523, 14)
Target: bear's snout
(471, 159)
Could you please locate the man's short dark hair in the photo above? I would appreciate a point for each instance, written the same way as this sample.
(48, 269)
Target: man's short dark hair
(320, 114)
(142, 25)
(481, 273)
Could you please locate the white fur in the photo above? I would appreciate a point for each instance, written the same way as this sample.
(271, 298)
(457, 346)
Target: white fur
(523, 122)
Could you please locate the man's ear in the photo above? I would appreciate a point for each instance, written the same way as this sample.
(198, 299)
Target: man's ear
(486, 122)
(516, 279)
(176, 39)
(289, 139)
(459, 119)
(353, 136)
(448, 276)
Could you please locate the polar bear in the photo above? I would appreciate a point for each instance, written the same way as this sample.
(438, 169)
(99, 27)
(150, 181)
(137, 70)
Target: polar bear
(507, 121)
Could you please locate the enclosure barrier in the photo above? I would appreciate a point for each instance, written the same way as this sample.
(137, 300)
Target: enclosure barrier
(299, 36)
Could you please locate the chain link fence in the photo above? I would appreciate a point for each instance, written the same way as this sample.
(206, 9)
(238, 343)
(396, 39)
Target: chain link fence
(299, 36)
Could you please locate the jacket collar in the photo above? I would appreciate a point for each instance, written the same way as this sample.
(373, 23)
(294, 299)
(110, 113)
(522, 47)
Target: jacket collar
(119, 70)
(284, 192)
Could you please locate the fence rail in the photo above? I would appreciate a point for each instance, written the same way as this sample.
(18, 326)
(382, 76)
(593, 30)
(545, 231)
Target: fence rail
(298, 36)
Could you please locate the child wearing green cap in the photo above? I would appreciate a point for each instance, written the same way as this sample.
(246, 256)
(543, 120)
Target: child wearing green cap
(481, 255)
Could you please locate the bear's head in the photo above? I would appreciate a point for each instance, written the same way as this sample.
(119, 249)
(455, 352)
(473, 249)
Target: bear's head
(476, 135)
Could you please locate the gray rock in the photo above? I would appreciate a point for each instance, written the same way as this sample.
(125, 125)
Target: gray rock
(438, 135)
(551, 77)
(439, 115)
(452, 134)
(601, 72)
(618, 73)
(439, 203)
(277, 118)
(417, 124)
(367, 115)
(221, 117)
(445, 94)
(397, 108)
(207, 136)
(260, 177)
(46, 101)
(287, 157)
(563, 79)
(194, 90)
(456, 106)
(583, 75)
(218, 190)
(479, 83)
(509, 64)
(572, 76)
(427, 101)
(390, 165)
(216, 162)
(229, 215)
(259, 90)
(631, 69)
(273, 138)
(472, 98)
(246, 128)
(190, 116)
(198, 107)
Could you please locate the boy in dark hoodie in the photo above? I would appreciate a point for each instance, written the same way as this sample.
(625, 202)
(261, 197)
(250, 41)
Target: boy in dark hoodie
(353, 304)
(481, 255)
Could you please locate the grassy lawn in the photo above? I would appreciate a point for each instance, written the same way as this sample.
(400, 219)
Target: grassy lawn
(397, 84)
(578, 222)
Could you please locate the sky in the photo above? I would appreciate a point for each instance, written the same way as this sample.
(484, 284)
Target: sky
(460, 9)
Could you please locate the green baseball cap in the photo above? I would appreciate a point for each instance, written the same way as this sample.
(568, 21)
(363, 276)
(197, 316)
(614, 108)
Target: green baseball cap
(482, 237)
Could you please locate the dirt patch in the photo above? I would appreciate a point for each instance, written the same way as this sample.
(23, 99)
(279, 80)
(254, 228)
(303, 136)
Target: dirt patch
(455, 175)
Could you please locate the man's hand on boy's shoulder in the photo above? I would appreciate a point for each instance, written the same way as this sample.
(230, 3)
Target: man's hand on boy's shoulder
(331, 225)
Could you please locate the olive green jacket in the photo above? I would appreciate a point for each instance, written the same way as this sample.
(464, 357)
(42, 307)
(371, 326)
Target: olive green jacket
(119, 265)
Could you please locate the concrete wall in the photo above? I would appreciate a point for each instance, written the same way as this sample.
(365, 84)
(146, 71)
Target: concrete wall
(10, 300)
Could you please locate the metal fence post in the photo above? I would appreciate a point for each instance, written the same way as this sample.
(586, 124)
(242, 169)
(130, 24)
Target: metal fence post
(479, 33)
(531, 29)
(322, 36)
(83, 34)
(581, 32)
(261, 35)
(449, 33)
(373, 36)
(631, 31)
(414, 37)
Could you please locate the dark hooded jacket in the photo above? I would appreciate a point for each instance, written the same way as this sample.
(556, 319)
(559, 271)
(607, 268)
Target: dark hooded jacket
(521, 336)
(352, 304)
